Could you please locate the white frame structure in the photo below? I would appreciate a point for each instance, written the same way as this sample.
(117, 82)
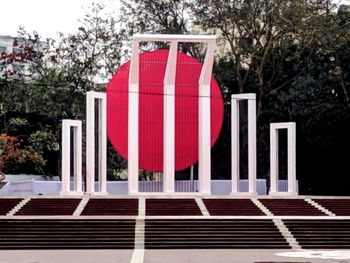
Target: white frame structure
(66, 157)
(291, 138)
(91, 98)
(235, 145)
(169, 111)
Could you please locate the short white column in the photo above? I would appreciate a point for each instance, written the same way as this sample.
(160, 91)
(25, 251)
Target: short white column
(91, 98)
(273, 160)
(66, 157)
(235, 145)
(291, 163)
(133, 121)
(169, 120)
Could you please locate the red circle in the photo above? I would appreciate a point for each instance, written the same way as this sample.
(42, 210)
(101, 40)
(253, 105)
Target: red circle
(151, 96)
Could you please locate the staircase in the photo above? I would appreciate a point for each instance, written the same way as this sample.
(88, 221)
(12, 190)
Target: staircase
(174, 223)
(232, 207)
(7, 204)
(340, 207)
(111, 207)
(321, 234)
(49, 206)
(212, 234)
(67, 234)
(291, 207)
(172, 207)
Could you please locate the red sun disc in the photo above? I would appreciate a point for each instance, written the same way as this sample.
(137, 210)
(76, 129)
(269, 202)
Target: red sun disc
(151, 96)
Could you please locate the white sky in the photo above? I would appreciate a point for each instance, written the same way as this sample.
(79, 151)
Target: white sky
(47, 17)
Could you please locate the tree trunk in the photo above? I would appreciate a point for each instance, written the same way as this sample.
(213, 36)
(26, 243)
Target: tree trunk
(261, 88)
(346, 94)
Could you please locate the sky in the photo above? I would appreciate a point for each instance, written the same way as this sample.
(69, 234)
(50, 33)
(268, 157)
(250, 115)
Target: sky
(48, 17)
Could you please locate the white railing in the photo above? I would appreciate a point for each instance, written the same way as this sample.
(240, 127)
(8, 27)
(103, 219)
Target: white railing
(52, 188)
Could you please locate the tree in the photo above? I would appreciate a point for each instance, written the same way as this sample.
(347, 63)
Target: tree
(163, 17)
(50, 78)
(160, 17)
(250, 29)
(92, 54)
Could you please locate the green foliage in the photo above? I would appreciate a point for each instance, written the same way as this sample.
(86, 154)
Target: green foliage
(42, 141)
(163, 17)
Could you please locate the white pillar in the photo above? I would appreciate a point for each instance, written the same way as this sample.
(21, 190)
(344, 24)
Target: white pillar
(91, 98)
(273, 160)
(252, 146)
(169, 120)
(133, 121)
(204, 146)
(235, 145)
(66, 155)
(292, 179)
(291, 139)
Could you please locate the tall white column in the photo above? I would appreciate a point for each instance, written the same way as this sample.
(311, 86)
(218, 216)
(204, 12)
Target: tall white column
(292, 180)
(252, 146)
(90, 143)
(235, 160)
(91, 98)
(235, 145)
(291, 162)
(169, 120)
(133, 121)
(103, 143)
(204, 162)
(66, 157)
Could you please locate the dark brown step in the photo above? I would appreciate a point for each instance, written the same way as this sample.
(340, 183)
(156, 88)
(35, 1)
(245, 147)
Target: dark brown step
(113, 207)
(49, 206)
(7, 204)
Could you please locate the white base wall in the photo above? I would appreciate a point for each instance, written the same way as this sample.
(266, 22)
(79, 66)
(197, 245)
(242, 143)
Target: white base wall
(53, 188)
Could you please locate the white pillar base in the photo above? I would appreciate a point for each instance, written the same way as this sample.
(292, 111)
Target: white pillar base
(70, 193)
(97, 193)
(283, 194)
(244, 194)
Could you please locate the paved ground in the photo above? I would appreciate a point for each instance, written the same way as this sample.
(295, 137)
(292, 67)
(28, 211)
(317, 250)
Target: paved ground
(161, 256)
